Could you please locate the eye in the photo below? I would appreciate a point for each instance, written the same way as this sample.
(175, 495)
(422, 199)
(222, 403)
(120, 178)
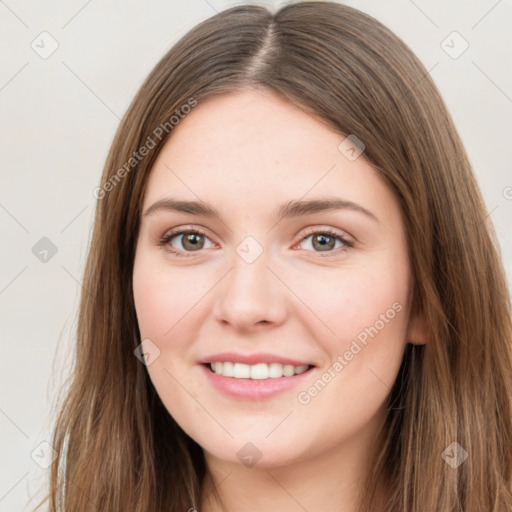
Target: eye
(325, 240)
(185, 241)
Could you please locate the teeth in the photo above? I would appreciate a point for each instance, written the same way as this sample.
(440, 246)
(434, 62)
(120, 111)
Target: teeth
(260, 371)
(226, 369)
(240, 371)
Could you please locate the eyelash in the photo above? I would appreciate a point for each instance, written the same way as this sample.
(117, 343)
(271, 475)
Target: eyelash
(165, 241)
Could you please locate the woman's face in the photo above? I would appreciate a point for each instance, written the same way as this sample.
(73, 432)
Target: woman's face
(302, 308)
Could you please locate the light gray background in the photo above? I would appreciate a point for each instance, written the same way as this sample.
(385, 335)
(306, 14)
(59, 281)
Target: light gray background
(59, 115)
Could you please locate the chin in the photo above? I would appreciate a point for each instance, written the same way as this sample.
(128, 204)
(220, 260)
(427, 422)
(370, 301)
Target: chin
(256, 451)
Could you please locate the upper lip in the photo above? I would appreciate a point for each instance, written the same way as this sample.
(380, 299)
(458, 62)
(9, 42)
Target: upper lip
(252, 359)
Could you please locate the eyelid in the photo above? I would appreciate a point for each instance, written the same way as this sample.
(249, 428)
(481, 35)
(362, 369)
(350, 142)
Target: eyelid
(329, 230)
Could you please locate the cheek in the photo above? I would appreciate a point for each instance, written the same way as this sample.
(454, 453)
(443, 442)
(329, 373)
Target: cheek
(164, 307)
(163, 299)
(347, 301)
(363, 356)
(362, 327)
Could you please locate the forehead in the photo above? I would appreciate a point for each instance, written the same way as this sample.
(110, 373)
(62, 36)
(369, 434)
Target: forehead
(257, 148)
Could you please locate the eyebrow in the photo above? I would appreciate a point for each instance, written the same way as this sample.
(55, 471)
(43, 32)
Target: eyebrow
(286, 210)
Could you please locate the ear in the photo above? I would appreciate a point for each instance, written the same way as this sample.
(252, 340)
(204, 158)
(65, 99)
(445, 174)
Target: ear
(417, 330)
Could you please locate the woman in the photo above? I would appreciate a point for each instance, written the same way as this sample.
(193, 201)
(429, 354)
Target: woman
(293, 298)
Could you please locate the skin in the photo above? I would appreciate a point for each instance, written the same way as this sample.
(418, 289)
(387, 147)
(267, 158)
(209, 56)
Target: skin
(245, 154)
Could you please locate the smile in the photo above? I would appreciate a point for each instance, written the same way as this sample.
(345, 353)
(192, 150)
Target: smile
(258, 381)
(259, 371)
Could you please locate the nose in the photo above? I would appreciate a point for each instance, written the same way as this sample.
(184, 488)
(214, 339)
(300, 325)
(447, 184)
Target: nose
(251, 296)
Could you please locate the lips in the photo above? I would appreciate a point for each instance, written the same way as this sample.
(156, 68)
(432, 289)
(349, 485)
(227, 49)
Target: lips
(254, 376)
(254, 389)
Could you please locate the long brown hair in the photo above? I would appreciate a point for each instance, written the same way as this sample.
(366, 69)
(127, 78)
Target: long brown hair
(119, 449)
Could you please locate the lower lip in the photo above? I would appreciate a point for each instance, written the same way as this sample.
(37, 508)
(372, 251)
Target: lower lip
(253, 389)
